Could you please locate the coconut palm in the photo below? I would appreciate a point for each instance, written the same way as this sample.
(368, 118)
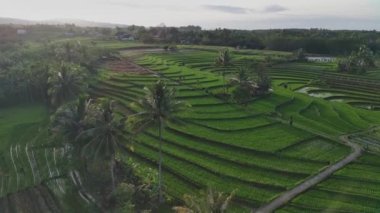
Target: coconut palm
(65, 83)
(366, 57)
(68, 120)
(157, 108)
(245, 87)
(299, 55)
(263, 79)
(223, 60)
(206, 202)
(37, 75)
(67, 124)
(242, 78)
(104, 134)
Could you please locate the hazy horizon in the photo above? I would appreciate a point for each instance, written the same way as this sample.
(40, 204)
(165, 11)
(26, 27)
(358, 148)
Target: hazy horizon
(238, 14)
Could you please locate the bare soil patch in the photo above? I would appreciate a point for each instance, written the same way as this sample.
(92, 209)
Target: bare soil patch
(126, 67)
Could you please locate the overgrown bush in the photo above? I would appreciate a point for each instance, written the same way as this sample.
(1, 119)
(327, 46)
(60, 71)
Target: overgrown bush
(358, 62)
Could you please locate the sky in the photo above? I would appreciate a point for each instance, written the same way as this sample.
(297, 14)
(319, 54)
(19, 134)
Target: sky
(210, 14)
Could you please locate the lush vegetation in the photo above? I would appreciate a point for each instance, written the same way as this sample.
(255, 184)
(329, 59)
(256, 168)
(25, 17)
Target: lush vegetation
(79, 139)
(218, 139)
(106, 126)
(358, 62)
(353, 189)
(318, 41)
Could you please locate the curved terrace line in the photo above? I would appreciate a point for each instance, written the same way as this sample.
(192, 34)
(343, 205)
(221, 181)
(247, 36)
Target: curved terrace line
(313, 181)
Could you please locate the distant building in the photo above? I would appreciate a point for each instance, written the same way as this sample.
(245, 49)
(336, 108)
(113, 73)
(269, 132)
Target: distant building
(322, 59)
(124, 36)
(69, 34)
(21, 32)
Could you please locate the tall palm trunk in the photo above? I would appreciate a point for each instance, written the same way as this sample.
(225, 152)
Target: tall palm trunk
(161, 198)
(224, 80)
(112, 166)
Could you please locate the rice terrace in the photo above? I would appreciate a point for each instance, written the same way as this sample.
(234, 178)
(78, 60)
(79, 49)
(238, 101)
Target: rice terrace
(98, 117)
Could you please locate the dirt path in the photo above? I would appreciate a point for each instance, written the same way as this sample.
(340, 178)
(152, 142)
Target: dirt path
(291, 194)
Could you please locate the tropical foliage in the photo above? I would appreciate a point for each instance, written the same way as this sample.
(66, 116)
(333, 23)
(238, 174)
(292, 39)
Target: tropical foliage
(157, 109)
(263, 79)
(245, 87)
(224, 60)
(209, 201)
(299, 54)
(213, 143)
(66, 81)
(358, 62)
(52, 74)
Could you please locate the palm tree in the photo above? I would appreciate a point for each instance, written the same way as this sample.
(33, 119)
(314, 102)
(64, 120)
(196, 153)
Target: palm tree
(158, 107)
(37, 75)
(92, 129)
(210, 202)
(68, 120)
(242, 78)
(65, 83)
(245, 87)
(67, 124)
(223, 60)
(361, 60)
(366, 56)
(263, 79)
(299, 55)
(104, 135)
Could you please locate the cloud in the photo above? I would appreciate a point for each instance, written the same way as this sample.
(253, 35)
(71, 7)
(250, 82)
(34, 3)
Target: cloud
(275, 8)
(228, 9)
(119, 3)
(242, 10)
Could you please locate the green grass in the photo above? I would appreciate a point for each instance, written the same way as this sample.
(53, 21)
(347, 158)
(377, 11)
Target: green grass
(317, 149)
(235, 124)
(121, 45)
(321, 200)
(241, 155)
(20, 123)
(226, 168)
(267, 138)
(355, 188)
(251, 148)
(22, 129)
(205, 178)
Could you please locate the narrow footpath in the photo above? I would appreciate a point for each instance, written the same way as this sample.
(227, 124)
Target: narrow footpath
(312, 181)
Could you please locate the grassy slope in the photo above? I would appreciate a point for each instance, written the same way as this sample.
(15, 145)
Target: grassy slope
(20, 122)
(181, 159)
(209, 116)
(18, 126)
(21, 127)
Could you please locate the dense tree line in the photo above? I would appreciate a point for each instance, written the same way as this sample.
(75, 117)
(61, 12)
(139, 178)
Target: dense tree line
(318, 41)
(9, 33)
(45, 73)
(97, 133)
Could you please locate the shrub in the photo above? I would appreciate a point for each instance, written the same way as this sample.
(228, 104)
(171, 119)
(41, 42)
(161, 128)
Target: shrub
(357, 62)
